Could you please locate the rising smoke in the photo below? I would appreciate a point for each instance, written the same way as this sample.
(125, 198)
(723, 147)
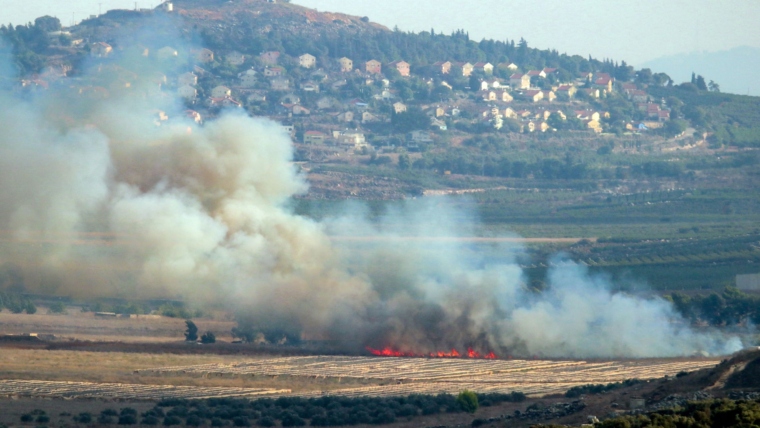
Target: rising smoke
(97, 199)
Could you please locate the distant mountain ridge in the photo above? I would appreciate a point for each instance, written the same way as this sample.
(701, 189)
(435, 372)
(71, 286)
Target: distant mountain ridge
(735, 70)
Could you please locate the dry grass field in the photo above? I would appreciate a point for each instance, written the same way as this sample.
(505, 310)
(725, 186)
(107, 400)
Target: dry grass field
(86, 326)
(109, 363)
(137, 376)
(178, 370)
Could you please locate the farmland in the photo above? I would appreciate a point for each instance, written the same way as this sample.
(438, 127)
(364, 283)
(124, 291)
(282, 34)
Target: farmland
(130, 376)
(80, 372)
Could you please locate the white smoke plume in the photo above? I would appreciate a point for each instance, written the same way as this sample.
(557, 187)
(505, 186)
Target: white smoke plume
(97, 200)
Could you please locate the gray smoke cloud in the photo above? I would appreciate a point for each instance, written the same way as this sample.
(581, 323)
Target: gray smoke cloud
(96, 199)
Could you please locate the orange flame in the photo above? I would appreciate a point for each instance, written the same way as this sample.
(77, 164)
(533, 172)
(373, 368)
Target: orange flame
(390, 352)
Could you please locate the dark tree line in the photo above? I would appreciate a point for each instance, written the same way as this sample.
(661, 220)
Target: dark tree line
(728, 308)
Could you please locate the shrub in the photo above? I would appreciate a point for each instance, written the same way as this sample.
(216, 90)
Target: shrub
(104, 419)
(26, 417)
(57, 308)
(468, 401)
(83, 418)
(172, 420)
(127, 419)
(290, 419)
(193, 421)
(384, 417)
(266, 421)
(42, 419)
(149, 420)
(208, 337)
(241, 421)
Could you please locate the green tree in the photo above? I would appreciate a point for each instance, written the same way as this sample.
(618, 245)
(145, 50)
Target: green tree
(701, 85)
(403, 162)
(208, 337)
(191, 334)
(57, 308)
(29, 307)
(468, 401)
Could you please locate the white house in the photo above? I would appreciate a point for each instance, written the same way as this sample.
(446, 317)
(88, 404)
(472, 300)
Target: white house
(221, 92)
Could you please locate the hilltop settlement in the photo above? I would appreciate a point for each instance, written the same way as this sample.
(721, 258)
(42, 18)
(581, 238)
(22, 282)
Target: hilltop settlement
(353, 94)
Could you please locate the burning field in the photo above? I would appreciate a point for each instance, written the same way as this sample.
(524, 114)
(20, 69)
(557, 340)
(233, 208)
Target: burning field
(384, 377)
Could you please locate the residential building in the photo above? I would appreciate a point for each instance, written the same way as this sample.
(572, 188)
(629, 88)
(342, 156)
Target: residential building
(462, 68)
(188, 78)
(373, 67)
(327, 103)
(536, 73)
(269, 58)
(224, 102)
(307, 61)
(256, 97)
(248, 78)
(443, 67)
(274, 71)
(314, 137)
(100, 49)
(167, 52)
(484, 67)
(346, 65)
(187, 92)
(279, 83)
(549, 96)
(533, 95)
(438, 123)
(193, 115)
(204, 55)
(401, 66)
(519, 81)
(346, 116)
(221, 92)
(504, 96)
(566, 92)
(368, 117)
(235, 58)
(399, 107)
(299, 110)
(352, 138)
(603, 82)
(591, 92)
(419, 137)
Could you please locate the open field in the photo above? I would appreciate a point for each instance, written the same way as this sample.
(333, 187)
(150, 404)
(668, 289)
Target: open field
(137, 376)
(403, 376)
(145, 360)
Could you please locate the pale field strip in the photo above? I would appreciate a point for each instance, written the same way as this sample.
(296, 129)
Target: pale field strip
(431, 370)
(122, 391)
(602, 374)
(368, 367)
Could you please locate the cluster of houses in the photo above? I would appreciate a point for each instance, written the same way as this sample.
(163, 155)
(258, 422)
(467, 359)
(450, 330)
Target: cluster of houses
(314, 97)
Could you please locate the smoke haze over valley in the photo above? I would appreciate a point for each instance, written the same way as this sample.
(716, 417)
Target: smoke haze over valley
(101, 198)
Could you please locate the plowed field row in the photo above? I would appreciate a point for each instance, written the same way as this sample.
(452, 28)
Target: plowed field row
(122, 391)
(431, 370)
(404, 376)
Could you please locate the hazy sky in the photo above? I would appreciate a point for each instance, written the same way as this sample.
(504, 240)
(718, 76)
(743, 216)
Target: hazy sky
(23, 11)
(635, 31)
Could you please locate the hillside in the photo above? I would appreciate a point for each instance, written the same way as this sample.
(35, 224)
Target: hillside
(660, 176)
